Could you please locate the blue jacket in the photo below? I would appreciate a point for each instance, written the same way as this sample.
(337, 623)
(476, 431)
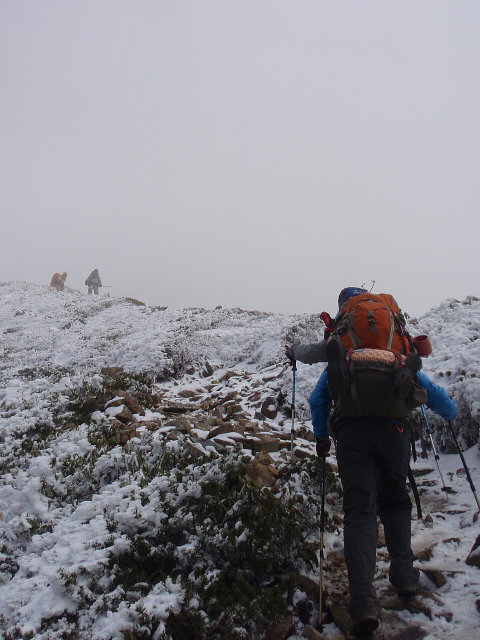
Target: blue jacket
(320, 402)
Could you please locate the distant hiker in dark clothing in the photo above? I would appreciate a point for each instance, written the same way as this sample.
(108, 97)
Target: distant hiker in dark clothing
(58, 281)
(93, 282)
(373, 388)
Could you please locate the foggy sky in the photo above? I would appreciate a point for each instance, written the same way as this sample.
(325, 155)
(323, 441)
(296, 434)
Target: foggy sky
(260, 154)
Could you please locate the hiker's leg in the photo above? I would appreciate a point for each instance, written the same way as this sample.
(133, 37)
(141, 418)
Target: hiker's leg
(357, 472)
(394, 505)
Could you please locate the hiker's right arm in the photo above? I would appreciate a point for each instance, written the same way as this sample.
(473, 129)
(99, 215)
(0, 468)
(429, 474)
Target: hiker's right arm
(437, 398)
(309, 353)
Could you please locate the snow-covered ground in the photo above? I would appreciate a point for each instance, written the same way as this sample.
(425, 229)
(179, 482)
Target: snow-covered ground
(68, 506)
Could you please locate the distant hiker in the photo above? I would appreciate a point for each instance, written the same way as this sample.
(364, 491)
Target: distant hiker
(58, 281)
(93, 282)
(374, 382)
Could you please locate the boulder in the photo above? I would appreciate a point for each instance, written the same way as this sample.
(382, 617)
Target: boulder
(260, 475)
(206, 423)
(188, 393)
(308, 586)
(413, 606)
(341, 617)
(301, 453)
(150, 425)
(218, 412)
(269, 408)
(233, 408)
(229, 439)
(195, 449)
(231, 395)
(473, 558)
(68, 426)
(305, 433)
(311, 633)
(282, 630)
(228, 375)
(117, 401)
(207, 370)
(181, 424)
(251, 427)
(126, 434)
(425, 554)
(121, 413)
(264, 458)
(123, 397)
(304, 608)
(176, 407)
(225, 427)
(262, 443)
(436, 576)
(112, 371)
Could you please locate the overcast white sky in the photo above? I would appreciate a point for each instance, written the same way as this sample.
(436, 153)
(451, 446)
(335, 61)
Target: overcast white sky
(254, 153)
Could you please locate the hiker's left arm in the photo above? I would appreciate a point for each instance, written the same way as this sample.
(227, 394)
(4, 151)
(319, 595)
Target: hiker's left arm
(437, 398)
(319, 402)
(308, 353)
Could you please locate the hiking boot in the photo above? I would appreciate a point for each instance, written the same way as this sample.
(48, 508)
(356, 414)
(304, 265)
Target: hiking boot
(408, 592)
(364, 627)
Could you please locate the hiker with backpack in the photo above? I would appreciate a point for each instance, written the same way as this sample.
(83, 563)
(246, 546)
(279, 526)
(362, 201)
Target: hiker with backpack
(58, 281)
(316, 351)
(373, 379)
(93, 282)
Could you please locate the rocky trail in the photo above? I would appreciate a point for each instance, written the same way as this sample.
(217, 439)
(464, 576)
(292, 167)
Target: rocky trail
(213, 412)
(123, 429)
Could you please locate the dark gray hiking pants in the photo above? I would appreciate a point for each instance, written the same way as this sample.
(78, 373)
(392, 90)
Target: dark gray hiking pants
(373, 457)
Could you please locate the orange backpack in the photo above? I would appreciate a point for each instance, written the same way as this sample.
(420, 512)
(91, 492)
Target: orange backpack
(373, 321)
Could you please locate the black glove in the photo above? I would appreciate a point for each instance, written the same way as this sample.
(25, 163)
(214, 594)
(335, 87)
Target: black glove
(322, 446)
(290, 355)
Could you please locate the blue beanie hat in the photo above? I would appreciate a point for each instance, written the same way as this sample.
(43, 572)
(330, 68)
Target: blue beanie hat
(349, 292)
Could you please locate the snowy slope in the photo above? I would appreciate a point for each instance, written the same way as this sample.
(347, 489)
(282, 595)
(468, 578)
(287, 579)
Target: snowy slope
(454, 330)
(70, 501)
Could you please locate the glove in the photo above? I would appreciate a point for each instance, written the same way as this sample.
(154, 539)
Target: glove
(326, 318)
(290, 355)
(322, 446)
(330, 324)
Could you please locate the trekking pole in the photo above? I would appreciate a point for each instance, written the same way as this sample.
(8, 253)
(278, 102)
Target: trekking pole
(322, 531)
(292, 430)
(434, 449)
(469, 477)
